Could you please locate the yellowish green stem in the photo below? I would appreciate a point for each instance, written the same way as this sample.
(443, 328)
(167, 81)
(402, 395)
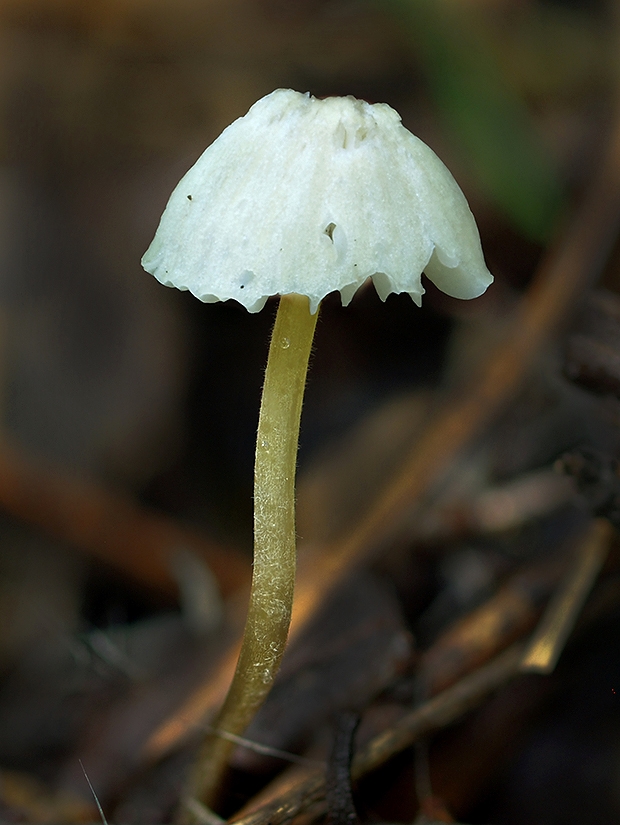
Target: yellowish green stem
(273, 577)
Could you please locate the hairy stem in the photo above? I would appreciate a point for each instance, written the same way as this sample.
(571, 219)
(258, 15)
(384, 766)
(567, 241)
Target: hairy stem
(273, 577)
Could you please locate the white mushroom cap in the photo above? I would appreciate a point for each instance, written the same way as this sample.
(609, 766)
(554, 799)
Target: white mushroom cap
(311, 196)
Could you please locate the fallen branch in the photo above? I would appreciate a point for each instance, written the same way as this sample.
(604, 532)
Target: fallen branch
(437, 712)
(107, 525)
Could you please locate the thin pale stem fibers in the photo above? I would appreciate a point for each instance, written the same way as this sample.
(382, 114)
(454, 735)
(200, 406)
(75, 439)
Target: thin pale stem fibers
(273, 577)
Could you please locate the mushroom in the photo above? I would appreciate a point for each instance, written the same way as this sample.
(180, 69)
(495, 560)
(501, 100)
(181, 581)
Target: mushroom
(299, 198)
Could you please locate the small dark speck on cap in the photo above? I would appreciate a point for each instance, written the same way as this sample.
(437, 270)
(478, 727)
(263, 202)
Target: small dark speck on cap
(189, 198)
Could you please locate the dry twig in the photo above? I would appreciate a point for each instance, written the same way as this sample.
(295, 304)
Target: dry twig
(438, 712)
(559, 619)
(107, 525)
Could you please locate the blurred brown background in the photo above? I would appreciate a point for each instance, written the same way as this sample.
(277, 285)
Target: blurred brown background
(111, 380)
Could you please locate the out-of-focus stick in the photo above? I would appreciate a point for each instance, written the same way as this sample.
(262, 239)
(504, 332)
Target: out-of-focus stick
(544, 650)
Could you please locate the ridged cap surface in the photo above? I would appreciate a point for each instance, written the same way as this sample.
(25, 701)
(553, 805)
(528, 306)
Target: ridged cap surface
(311, 196)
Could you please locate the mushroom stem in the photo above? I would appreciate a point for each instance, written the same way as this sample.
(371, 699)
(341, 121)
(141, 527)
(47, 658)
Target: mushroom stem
(273, 578)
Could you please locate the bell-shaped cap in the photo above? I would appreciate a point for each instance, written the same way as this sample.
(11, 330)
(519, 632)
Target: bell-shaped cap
(311, 196)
